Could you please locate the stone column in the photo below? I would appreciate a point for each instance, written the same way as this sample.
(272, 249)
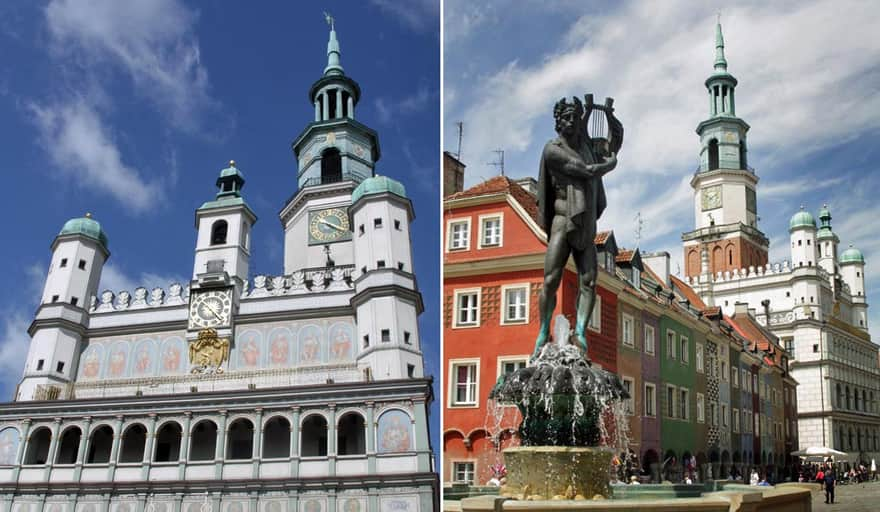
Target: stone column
(114, 448)
(257, 454)
(331, 441)
(350, 107)
(53, 447)
(325, 105)
(294, 442)
(220, 449)
(420, 423)
(148, 448)
(373, 499)
(331, 499)
(371, 439)
(185, 440)
(23, 442)
(338, 103)
(81, 452)
(317, 110)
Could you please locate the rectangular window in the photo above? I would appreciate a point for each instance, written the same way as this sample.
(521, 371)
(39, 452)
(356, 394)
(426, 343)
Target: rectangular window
(380, 264)
(650, 400)
(490, 231)
(463, 381)
(54, 298)
(698, 358)
(63, 262)
(757, 420)
(685, 350)
(467, 308)
(406, 338)
(508, 365)
(361, 229)
(628, 327)
(366, 340)
(397, 224)
(82, 264)
(629, 387)
(735, 375)
(459, 234)
(723, 370)
(649, 339)
(516, 304)
(596, 318)
(377, 222)
(723, 415)
(755, 387)
(746, 383)
(670, 401)
(735, 416)
(40, 364)
(410, 370)
(701, 408)
(463, 472)
(789, 346)
(60, 367)
(74, 301)
(386, 335)
(670, 344)
(684, 404)
(713, 411)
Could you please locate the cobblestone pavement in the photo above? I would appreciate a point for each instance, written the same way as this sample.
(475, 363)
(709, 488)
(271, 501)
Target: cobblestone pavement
(851, 498)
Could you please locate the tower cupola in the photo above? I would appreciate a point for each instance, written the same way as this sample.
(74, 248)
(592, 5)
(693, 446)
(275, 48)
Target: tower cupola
(230, 182)
(827, 242)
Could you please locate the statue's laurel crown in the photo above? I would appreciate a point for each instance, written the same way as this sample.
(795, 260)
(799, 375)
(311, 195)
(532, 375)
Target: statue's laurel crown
(563, 105)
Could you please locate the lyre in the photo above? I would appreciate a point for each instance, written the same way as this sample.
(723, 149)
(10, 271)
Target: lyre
(605, 132)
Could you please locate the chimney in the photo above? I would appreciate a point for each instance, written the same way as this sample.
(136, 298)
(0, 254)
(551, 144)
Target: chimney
(766, 304)
(453, 174)
(658, 262)
(741, 308)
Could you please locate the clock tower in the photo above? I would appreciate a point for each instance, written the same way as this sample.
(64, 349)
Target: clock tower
(725, 203)
(334, 154)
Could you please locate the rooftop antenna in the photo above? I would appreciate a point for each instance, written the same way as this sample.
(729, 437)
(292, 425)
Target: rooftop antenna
(500, 162)
(640, 223)
(460, 126)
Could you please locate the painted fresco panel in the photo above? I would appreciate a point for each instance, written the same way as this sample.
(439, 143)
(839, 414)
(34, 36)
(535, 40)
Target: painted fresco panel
(399, 504)
(394, 432)
(313, 505)
(351, 504)
(133, 357)
(9, 441)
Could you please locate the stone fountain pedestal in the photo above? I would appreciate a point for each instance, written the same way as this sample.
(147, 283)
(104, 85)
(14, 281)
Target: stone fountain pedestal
(557, 472)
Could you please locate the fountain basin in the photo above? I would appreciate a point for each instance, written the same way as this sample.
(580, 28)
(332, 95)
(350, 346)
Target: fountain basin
(545, 472)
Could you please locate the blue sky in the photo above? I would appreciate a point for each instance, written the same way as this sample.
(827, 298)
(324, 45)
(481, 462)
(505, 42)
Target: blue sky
(129, 110)
(809, 78)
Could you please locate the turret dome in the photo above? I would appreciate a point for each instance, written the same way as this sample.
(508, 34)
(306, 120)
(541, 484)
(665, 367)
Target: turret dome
(378, 185)
(801, 219)
(852, 255)
(86, 226)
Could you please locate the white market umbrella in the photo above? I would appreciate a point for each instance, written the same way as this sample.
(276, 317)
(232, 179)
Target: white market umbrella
(819, 451)
(873, 465)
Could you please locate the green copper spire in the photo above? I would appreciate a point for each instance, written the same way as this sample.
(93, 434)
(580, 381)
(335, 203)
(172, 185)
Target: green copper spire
(334, 66)
(720, 61)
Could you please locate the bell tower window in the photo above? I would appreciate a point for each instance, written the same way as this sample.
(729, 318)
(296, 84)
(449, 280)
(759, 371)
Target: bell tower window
(331, 97)
(743, 163)
(331, 166)
(218, 232)
(713, 154)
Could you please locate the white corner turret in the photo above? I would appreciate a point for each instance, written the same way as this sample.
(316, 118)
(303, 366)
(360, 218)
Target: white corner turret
(802, 228)
(852, 270)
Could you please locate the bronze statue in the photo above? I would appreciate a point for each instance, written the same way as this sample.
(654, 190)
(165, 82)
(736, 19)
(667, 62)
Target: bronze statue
(571, 199)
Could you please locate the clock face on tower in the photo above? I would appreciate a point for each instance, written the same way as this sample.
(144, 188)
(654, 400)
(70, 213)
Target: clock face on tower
(211, 308)
(711, 197)
(328, 226)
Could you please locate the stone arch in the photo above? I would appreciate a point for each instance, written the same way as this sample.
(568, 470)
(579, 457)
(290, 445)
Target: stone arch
(100, 445)
(240, 440)
(351, 434)
(313, 436)
(693, 261)
(717, 260)
(134, 442)
(168, 442)
(219, 231)
(38, 446)
(203, 441)
(68, 447)
(276, 438)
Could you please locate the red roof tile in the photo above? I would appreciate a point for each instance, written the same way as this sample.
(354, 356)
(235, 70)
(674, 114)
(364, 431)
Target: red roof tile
(624, 256)
(602, 237)
(688, 293)
(500, 185)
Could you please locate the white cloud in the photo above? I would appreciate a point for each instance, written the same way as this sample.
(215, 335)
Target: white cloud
(390, 109)
(78, 142)
(152, 41)
(115, 279)
(417, 15)
(14, 345)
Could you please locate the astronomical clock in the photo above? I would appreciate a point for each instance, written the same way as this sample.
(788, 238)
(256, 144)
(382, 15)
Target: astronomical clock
(711, 197)
(328, 226)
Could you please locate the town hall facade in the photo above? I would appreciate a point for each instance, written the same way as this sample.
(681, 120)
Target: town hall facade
(302, 391)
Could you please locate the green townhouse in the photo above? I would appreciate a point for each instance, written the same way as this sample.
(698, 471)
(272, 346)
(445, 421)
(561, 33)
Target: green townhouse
(677, 398)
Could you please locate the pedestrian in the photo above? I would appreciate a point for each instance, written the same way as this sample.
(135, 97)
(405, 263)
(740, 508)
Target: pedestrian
(830, 482)
(754, 478)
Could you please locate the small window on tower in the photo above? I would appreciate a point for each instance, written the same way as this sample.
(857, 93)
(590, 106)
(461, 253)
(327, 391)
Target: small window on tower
(386, 334)
(377, 223)
(54, 298)
(410, 370)
(361, 229)
(364, 269)
(366, 340)
(82, 264)
(380, 264)
(399, 265)
(74, 301)
(788, 294)
(63, 262)
(800, 242)
(808, 241)
(218, 232)
(40, 364)
(406, 338)
(397, 224)
(60, 367)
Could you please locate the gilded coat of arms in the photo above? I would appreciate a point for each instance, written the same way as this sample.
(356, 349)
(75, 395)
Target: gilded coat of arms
(208, 352)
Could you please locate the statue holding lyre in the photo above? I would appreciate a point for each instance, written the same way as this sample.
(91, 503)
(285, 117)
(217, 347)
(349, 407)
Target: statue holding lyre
(571, 198)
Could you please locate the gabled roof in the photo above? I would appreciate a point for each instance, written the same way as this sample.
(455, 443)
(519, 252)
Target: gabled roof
(757, 335)
(501, 185)
(688, 293)
(629, 258)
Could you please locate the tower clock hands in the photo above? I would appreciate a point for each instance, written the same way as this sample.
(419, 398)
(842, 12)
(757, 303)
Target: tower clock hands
(213, 311)
(334, 226)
